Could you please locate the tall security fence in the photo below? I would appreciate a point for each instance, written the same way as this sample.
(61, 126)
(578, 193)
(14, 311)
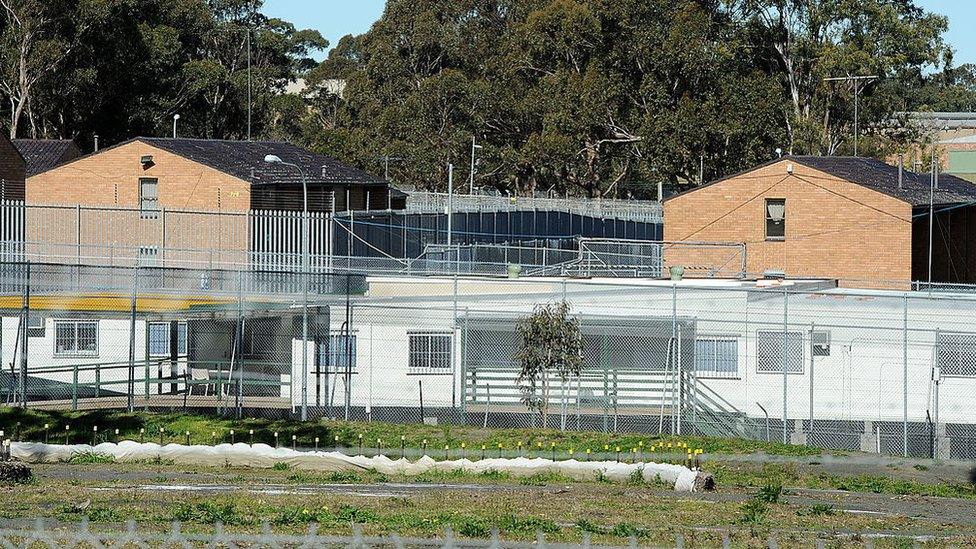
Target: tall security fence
(575, 242)
(91, 337)
(645, 211)
(805, 363)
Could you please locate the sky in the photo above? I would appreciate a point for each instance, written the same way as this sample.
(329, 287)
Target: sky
(333, 18)
(337, 18)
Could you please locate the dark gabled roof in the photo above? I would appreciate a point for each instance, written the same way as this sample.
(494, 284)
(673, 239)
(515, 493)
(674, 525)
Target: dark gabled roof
(883, 177)
(245, 160)
(879, 176)
(42, 155)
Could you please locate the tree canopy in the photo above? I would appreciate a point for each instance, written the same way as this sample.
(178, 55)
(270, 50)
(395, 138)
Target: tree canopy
(119, 68)
(583, 97)
(607, 97)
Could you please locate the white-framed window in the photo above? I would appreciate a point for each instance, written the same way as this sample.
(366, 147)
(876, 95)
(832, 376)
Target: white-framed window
(161, 335)
(956, 355)
(821, 343)
(775, 219)
(770, 354)
(717, 356)
(149, 197)
(430, 352)
(75, 338)
(36, 325)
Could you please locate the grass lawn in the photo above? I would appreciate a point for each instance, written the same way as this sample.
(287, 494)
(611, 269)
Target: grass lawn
(29, 425)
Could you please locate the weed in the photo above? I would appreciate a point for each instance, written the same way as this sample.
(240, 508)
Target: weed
(514, 524)
(90, 458)
(471, 527)
(343, 477)
(589, 527)
(281, 466)
(491, 474)
(770, 493)
(94, 513)
(627, 530)
(637, 476)
(753, 512)
(357, 515)
(920, 467)
(210, 513)
(300, 477)
(818, 510)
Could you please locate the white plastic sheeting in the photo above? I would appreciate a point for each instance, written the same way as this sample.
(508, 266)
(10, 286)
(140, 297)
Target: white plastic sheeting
(264, 456)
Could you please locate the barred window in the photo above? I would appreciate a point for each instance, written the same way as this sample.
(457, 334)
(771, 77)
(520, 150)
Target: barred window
(957, 355)
(717, 357)
(430, 353)
(770, 356)
(75, 338)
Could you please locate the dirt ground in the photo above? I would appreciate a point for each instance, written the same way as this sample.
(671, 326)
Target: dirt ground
(152, 491)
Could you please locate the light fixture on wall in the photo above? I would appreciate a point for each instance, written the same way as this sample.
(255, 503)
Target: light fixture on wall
(146, 161)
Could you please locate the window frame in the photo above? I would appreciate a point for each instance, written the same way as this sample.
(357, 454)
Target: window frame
(715, 373)
(75, 352)
(36, 331)
(777, 368)
(181, 325)
(144, 212)
(426, 355)
(769, 220)
(822, 347)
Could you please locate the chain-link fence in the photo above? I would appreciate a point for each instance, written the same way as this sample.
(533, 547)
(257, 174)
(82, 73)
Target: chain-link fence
(130, 534)
(877, 371)
(86, 337)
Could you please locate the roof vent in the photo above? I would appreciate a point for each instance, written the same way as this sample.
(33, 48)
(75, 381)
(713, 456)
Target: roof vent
(901, 170)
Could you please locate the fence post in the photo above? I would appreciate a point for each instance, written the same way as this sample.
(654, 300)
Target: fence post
(786, 350)
(810, 426)
(130, 404)
(904, 366)
(24, 339)
(74, 388)
(78, 231)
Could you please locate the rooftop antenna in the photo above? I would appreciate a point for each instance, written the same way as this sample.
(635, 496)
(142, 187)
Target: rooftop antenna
(857, 81)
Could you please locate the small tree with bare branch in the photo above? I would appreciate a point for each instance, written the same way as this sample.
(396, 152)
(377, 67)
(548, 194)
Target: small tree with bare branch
(550, 344)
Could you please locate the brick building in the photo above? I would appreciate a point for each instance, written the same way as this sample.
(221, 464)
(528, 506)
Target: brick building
(851, 219)
(189, 195)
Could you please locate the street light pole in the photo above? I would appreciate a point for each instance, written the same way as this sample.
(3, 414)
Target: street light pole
(272, 159)
(857, 80)
(474, 147)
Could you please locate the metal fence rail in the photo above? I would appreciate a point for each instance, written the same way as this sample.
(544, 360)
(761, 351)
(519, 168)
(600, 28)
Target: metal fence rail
(632, 210)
